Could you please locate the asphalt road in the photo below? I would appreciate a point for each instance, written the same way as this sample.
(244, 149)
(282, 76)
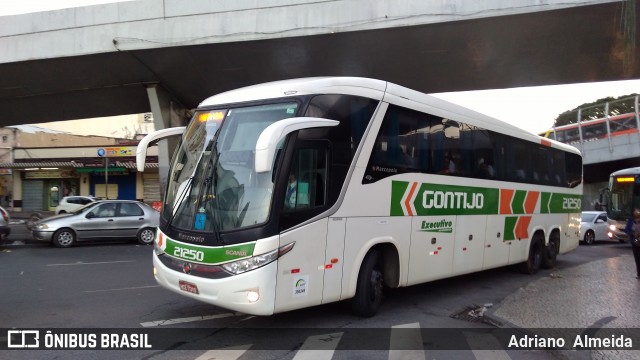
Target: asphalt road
(107, 286)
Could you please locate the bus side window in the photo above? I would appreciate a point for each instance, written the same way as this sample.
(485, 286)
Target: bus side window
(306, 187)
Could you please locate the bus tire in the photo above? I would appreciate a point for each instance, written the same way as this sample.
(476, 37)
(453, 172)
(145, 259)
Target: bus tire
(550, 252)
(532, 265)
(368, 298)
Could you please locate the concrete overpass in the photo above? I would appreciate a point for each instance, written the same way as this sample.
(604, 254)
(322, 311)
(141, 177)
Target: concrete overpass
(168, 55)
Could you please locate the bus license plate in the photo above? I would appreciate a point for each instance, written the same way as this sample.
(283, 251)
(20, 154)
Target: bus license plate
(188, 287)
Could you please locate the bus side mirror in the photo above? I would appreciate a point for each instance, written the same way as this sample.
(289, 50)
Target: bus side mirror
(141, 150)
(269, 138)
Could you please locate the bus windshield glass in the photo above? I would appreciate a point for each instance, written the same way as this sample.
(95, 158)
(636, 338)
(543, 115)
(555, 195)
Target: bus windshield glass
(624, 197)
(213, 185)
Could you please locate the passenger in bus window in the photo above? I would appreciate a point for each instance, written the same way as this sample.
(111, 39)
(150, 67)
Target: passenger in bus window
(292, 192)
(449, 165)
(485, 170)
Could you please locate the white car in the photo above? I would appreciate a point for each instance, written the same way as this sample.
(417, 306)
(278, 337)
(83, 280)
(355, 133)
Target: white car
(72, 203)
(593, 226)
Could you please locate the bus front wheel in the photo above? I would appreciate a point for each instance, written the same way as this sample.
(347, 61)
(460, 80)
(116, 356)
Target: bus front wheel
(368, 296)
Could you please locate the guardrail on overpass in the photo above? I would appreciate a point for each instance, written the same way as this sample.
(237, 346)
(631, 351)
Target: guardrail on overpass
(605, 132)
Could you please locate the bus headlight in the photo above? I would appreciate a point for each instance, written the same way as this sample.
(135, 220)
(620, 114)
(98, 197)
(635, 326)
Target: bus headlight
(244, 265)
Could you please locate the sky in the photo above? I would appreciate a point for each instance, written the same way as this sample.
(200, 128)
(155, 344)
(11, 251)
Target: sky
(532, 108)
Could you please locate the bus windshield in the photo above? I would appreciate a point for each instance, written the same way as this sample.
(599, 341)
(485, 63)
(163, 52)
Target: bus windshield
(624, 197)
(213, 185)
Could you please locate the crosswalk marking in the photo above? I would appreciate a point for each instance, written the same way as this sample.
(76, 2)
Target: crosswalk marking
(406, 340)
(230, 353)
(476, 340)
(319, 347)
(405, 343)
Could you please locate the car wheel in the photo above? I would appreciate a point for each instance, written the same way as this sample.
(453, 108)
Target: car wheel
(61, 212)
(589, 237)
(368, 296)
(64, 238)
(532, 265)
(146, 236)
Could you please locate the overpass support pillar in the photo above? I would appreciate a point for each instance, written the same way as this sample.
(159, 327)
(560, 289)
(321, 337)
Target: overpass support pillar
(166, 113)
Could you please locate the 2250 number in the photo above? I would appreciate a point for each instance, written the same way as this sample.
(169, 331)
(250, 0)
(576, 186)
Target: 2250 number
(188, 254)
(571, 203)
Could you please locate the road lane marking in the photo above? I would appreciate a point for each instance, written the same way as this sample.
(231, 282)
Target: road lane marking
(93, 263)
(120, 289)
(319, 347)
(230, 353)
(476, 341)
(406, 339)
(188, 319)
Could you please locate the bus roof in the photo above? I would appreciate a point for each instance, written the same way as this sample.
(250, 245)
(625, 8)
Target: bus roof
(629, 171)
(377, 89)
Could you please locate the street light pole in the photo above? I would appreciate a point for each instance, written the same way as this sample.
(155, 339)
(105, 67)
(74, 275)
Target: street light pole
(106, 177)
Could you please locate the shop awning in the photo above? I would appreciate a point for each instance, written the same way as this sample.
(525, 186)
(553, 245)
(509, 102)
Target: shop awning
(72, 164)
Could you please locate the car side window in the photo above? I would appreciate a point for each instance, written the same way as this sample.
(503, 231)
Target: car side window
(602, 217)
(105, 210)
(83, 201)
(127, 209)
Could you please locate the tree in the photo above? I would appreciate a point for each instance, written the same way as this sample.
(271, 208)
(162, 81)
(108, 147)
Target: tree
(595, 110)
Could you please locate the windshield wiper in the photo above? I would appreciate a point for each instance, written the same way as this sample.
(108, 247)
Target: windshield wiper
(180, 198)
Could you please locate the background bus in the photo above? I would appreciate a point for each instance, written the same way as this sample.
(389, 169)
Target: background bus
(623, 196)
(303, 192)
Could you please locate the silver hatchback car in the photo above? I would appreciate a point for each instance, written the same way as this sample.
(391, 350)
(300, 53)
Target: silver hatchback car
(104, 219)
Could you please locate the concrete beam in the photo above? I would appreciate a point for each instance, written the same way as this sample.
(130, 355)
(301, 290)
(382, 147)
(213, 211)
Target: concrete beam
(166, 113)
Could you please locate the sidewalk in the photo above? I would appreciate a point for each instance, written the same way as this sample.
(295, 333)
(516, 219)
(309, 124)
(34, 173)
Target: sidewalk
(599, 294)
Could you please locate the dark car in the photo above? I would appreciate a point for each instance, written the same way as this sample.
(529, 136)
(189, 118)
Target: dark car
(104, 219)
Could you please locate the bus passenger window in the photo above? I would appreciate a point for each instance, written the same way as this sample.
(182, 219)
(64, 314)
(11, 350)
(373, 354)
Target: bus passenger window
(307, 180)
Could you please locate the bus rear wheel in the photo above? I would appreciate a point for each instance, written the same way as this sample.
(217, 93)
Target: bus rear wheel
(550, 252)
(534, 260)
(368, 296)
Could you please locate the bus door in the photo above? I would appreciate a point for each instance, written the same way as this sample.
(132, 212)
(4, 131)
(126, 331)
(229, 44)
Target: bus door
(301, 272)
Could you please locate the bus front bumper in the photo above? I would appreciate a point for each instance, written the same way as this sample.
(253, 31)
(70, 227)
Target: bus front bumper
(236, 292)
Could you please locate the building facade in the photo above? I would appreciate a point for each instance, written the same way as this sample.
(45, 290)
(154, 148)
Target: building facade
(41, 167)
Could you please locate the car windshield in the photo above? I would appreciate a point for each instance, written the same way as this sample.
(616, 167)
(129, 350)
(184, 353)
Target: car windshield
(588, 217)
(213, 185)
(84, 208)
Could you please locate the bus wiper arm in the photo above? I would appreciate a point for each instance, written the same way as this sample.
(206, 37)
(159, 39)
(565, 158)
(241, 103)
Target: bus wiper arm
(178, 201)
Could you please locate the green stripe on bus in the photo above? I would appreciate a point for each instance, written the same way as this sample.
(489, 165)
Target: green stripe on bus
(517, 205)
(436, 199)
(544, 203)
(510, 228)
(207, 254)
(397, 192)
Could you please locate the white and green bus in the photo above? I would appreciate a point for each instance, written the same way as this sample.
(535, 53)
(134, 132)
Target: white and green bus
(303, 192)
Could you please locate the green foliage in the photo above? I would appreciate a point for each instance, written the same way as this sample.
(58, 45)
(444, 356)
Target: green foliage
(596, 110)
